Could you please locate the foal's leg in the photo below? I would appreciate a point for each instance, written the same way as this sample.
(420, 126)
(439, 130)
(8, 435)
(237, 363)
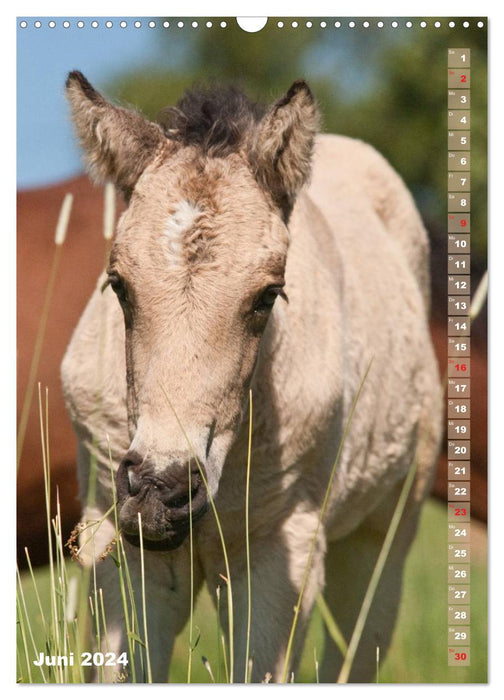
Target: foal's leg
(167, 598)
(278, 564)
(349, 565)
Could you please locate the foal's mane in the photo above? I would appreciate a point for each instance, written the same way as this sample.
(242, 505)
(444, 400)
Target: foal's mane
(217, 119)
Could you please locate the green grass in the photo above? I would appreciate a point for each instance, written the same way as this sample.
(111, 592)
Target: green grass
(419, 648)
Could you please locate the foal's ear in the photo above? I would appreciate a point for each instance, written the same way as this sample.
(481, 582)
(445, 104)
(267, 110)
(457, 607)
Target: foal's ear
(118, 143)
(283, 147)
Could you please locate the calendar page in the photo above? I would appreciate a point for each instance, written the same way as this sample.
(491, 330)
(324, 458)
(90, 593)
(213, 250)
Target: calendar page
(252, 349)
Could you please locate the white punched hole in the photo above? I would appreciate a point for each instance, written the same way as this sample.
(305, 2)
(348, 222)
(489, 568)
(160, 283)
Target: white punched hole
(251, 24)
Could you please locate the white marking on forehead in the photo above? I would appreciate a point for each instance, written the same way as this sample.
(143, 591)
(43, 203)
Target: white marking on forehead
(176, 225)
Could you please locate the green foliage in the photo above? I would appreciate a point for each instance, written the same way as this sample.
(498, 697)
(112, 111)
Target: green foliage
(405, 118)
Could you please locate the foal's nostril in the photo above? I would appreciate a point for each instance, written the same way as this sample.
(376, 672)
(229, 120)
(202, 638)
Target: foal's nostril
(132, 459)
(128, 481)
(183, 500)
(134, 483)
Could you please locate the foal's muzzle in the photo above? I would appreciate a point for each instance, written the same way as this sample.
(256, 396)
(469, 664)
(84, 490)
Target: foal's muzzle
(167, 500)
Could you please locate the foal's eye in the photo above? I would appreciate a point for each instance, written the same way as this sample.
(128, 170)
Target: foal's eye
(264, 303)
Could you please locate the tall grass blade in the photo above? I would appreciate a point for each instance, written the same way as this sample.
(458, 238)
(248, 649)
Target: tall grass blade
(94, 606)
(125, 588)
(479, 297)
(376, 575)
(61, 228)
(25, 628)
(19, 664)
(219, 634)
(191, 574)
(71, 601)
(206, 664)
(62, 578)
(47, 490)
(247, 542)
(224, 658)
(331, 625)
(109, 211)
(121, 562)
(105, 642)
(35, 588)
(144, 605)
(22, 630)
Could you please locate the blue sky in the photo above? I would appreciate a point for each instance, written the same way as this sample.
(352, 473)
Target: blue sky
(46, 147)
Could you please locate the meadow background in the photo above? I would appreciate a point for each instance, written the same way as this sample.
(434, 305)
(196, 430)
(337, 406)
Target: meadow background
(386, 86)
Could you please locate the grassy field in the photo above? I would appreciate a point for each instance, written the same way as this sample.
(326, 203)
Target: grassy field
(419, 648)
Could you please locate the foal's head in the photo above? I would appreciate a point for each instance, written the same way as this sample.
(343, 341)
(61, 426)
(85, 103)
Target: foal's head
(197, 265)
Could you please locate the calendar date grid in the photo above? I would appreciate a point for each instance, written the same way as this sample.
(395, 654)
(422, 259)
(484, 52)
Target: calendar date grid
(459, 356)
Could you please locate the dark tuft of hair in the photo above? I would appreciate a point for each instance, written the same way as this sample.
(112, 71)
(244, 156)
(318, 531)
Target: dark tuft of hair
(216, 119)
